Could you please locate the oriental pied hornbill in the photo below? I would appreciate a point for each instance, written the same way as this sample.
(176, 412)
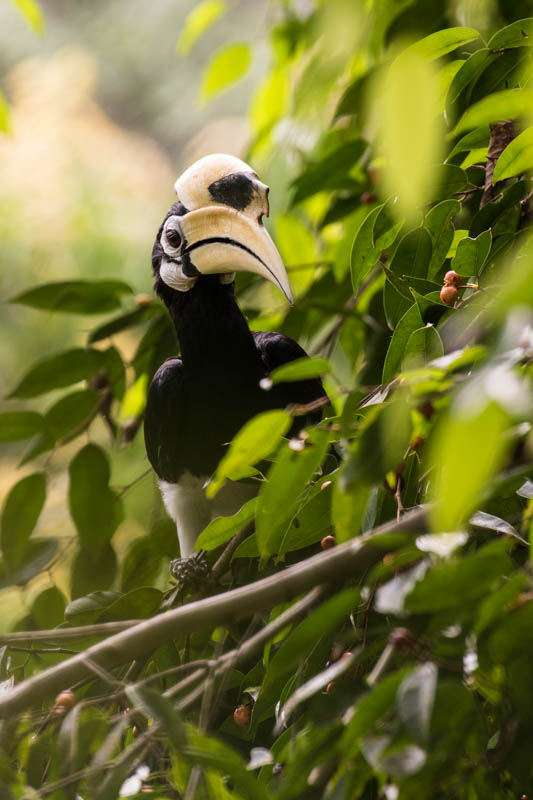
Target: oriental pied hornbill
(198, 402)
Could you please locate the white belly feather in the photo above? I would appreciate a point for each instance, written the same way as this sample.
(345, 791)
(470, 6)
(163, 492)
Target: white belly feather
(187, 505)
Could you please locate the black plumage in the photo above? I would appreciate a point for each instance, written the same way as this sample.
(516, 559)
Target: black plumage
(198, 402)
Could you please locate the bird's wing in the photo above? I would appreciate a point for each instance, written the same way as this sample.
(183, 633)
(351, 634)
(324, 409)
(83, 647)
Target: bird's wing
(166, 419)
(276, 349)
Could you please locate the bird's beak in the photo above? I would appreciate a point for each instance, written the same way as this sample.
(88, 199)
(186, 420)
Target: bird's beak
(220, 239)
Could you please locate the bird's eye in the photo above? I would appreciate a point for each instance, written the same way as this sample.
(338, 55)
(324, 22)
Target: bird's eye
(173, 237)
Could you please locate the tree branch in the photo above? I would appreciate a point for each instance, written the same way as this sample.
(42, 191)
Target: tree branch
(346, 560)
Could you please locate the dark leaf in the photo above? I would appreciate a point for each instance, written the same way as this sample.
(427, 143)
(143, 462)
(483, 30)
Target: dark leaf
(62, 370)
(79, 297)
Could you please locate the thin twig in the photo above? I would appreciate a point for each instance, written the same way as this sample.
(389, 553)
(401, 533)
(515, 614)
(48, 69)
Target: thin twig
(346, 560)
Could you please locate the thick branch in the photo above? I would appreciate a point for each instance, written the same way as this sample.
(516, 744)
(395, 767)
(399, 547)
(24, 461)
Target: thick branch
(346, 560)
(501, 134)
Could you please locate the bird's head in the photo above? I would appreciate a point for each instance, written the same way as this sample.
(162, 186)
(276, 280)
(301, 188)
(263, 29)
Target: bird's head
(216, 228)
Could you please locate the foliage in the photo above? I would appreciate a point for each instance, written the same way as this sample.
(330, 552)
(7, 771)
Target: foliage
(409, 674)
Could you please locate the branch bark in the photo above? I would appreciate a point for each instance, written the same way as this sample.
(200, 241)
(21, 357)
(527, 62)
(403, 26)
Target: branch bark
(347, 560)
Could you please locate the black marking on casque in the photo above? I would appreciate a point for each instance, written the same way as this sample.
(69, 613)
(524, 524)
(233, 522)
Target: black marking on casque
(235, 190)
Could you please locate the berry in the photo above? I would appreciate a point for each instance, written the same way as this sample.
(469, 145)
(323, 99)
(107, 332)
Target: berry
(143, 299)
(328, 542)
(367, 198)
(452, 278)
(449, 295)
(65, 700)
(242, 716)
(330, 687)
(402, 638)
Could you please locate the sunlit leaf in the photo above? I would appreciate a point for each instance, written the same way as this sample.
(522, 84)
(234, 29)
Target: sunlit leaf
(5, 117)
(471, 254)
(441, 42)
(227, 66)
(410, 132)
(221, 529)
(517, 34)
(269, 101)
(134, 400)
(516, 158)
(31, 11)
(467, 449)
(301, 369)
(279, 496)
(198, 21)
(256, 440)
(508, 104)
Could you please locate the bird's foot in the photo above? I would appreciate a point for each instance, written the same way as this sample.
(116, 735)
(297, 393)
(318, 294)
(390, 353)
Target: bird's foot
(191, 573)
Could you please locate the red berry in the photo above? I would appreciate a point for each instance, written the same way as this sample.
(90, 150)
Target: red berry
(452, 278)
(242, 716)
(449, 295)
(367, 198)
(64, 702)
(402, 638)
(330, 687)
(328, 542)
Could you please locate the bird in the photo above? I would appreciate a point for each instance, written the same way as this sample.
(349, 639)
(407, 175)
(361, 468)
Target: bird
(199, 400)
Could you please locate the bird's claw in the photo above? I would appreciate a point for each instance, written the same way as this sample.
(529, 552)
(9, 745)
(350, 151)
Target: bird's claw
(192, 572)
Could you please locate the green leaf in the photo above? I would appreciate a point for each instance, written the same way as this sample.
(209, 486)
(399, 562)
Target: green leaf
(330, 172)
(39, 553)
(471, 254)
(221, 529)
(370, 708)
(364, 252)
(210, 752)
(476, 138)
(256, 440)
(410, 102)
(226, 67)
(5, 116)
(441, 42)
(156, 707)
(197, 22)
(447, 180)
(94, 507)
(65, 419)
(458, 583)
(423, 346)
(269, 101)
(301, 369)
(311, 522)
(124, 322)
(134, 400)
(64, 369)
(470, 70)
(518, 34)
(467, 449)
(438, 223)
(31, 11)
(21, 511)
(86, 610)
(75, 297)
(17, 425)
(279, 496)
(93, 573)
(408, 324)
(509, 104)
(412, 258)
(516, 158)
(297, 645)
(48, 608)
(140, 603)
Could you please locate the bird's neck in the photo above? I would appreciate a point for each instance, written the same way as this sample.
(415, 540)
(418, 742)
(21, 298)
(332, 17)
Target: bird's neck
(213, 333)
